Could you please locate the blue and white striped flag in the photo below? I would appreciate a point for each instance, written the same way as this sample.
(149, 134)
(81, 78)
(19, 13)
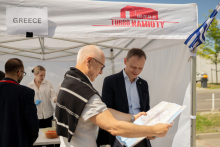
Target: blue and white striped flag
(198, 37)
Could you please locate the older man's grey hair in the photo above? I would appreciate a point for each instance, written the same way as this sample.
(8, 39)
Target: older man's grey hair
(88, 51)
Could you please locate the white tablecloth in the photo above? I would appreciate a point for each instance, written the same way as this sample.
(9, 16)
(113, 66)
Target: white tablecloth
(43, 140)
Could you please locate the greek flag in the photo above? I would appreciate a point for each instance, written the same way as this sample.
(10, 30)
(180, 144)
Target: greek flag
(198, 37)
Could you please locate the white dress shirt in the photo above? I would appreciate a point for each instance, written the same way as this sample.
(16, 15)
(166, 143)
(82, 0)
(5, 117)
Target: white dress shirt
(58, 89)
(132, 95)
(46, 94)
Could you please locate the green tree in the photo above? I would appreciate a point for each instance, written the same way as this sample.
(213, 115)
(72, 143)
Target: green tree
(210, 50)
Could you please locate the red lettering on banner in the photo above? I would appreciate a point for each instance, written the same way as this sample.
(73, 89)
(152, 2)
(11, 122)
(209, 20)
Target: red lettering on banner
(152, 24)
(149, 24)
(157, 24)
(138, 24)
(162, 23)
(144, 24)
(128, 22)
(133, 22)
(134, 16)
(121, 22)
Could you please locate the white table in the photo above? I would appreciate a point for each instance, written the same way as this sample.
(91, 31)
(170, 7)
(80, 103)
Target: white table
(43, 140)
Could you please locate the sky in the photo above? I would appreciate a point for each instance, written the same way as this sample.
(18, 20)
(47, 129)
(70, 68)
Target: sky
(203, 5)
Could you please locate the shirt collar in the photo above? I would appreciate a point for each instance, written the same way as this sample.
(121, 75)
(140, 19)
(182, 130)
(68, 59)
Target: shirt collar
(10, 79)
(88, 78)
(127, 78)
(43, 82)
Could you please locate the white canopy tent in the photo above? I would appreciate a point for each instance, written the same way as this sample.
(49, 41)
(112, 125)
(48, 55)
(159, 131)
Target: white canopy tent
(116, 27)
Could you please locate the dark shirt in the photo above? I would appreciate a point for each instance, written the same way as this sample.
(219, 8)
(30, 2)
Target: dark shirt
(2, 75)
(18, 115)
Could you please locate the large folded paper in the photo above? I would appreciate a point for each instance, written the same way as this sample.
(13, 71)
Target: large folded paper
(164, 112)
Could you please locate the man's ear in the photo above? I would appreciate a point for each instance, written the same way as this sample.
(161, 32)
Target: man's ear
(125, 61)
(19, 73)
(88, 59)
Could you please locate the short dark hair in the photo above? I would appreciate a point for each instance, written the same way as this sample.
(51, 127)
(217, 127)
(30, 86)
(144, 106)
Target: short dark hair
(2, 75)
(13, 65)
(136, 52)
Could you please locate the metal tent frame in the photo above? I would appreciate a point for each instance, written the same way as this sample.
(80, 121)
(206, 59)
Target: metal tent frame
(112, 58)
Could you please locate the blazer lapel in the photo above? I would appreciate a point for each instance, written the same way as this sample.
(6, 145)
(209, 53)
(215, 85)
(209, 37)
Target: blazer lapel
(139, 85)
(121, 84)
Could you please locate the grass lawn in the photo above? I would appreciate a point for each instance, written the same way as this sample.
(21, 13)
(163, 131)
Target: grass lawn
(210, 85)
(207, 123)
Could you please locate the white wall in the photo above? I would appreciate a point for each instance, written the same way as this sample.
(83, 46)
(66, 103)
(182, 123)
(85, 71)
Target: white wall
(205, 65)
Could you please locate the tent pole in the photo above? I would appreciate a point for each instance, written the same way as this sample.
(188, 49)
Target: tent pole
(22, 39)
(147, 44)
(112, 58)
(125, 47)
(41, 39)
(193, 101)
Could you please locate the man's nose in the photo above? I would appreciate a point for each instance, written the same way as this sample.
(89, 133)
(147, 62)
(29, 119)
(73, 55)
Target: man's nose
(100, 72)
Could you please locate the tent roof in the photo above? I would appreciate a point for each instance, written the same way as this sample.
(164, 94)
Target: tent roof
(110, 25)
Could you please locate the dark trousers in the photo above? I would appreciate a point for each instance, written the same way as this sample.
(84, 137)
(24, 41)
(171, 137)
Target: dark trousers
(143, 143)
(105, 139)
(44, 123)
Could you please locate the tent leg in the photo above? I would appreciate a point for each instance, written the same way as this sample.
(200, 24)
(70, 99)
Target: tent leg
(112, 58)
(193, 101)
(41, 39)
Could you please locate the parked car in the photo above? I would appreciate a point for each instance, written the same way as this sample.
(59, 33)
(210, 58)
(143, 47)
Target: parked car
(199, 76)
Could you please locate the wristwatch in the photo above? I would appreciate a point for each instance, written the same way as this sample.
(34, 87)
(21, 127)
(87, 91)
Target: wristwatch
(132, 118)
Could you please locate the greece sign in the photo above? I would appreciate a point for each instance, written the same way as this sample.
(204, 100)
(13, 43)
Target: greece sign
(20, 20)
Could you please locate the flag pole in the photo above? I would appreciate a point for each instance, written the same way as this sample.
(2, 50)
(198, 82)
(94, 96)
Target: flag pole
(193, 50)
(193, 102)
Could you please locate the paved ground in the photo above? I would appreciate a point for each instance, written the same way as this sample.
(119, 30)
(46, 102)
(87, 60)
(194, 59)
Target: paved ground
(204, 102)
(204, 99)
(215, 142)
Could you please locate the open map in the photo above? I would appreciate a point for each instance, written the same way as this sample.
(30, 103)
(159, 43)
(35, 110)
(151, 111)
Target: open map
(164, 112)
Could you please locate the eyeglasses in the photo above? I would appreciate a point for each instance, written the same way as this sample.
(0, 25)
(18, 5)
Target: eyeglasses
(100, 63)
(23, 72)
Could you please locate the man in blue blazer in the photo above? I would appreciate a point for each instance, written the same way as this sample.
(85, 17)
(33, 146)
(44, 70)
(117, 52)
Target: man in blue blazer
(18, 113)
(127, 92)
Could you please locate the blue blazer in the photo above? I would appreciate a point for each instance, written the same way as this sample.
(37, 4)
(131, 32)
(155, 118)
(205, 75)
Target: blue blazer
(114, 95)
(18, 116)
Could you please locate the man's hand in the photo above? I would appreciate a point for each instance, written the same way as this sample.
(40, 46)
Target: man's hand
(151, 137)
(55, 100)
(161, 129)
(139, 114)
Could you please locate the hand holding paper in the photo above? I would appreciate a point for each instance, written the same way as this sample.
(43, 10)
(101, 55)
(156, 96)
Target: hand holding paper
(161, 129)
(139, 114)
(160, 118)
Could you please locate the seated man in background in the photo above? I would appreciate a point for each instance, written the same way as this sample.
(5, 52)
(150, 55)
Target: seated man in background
(18, 113)
(80, 110)
(2, 75)
(127, 92)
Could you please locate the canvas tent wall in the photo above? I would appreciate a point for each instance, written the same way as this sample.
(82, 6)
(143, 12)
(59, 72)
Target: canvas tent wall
(117, 26)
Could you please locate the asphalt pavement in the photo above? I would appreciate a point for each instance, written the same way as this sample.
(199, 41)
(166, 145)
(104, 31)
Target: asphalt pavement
(204, 99)
(214, 142)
